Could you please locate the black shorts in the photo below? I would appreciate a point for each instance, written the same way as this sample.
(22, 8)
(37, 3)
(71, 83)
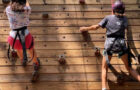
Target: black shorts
(119, 53)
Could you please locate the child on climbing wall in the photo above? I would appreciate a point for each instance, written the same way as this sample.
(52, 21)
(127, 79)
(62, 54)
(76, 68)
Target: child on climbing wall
(20, 38)
(115, 40)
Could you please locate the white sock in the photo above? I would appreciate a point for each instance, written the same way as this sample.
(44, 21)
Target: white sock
(104, 89)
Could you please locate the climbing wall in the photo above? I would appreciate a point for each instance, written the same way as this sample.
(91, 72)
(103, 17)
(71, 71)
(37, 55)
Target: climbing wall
(55, 27)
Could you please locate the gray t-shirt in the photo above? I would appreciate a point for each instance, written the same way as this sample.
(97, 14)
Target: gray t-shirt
(115, 26)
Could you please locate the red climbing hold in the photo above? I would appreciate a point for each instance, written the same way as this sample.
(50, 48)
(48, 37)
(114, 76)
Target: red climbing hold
(82, 1)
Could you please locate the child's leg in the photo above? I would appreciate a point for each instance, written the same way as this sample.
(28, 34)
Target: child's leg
(33, 56)
(36, 64)
(130, 70)
(20, 54)
(104, 71)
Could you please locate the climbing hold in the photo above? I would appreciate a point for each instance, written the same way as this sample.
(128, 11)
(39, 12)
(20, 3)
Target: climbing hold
(101, 7)
(68, 14)
(84, 44)
(64, 8)
(64, 37)
(82, 1)
(45, 15)
(97, 52)
(14, 54)
(62, 60)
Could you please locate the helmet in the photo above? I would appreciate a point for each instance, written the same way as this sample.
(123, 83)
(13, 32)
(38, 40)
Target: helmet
(118, 7)
(20, 1)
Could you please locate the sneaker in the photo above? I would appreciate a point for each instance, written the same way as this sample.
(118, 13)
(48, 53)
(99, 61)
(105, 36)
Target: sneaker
(35, 74)
(24, 63)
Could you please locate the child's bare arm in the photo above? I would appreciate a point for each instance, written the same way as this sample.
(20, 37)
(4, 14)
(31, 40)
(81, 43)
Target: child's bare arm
(27, 3)
(93, 27)
(27, 8)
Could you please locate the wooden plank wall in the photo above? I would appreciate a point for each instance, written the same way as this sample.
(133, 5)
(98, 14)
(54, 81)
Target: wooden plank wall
(59, 34)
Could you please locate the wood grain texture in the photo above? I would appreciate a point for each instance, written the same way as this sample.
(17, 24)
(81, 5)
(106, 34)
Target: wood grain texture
(77, 2)
(73, 15)
(59, 34)
(61, 30)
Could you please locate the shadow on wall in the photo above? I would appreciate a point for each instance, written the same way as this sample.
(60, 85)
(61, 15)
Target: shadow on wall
(122, 77)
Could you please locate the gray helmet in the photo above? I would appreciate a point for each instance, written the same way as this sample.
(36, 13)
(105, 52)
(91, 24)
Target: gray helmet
(118, 7)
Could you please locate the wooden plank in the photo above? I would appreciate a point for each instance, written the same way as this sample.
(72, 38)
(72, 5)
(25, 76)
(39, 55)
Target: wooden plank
(45, 23)
(69, 77)
(96, 21)
(98, 61)
(43, 69)
(97, 68)
(70, 61)
(62, 30)
(51, 53)
(67, 86)
(69, 45)
(44, 86)
(114, 86)
(25, 78)
(67, 53)
(66, 45)
(60, 69)
(71, 15)
(76, 37)
(76, 77)
(72, 22)
(54, 61)
(79, 8)
(71, 37)
(133, 44)
(77, 2)
(59, 45)
(56, 22)
(45, 61)
(96, 77)
(57, 8)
